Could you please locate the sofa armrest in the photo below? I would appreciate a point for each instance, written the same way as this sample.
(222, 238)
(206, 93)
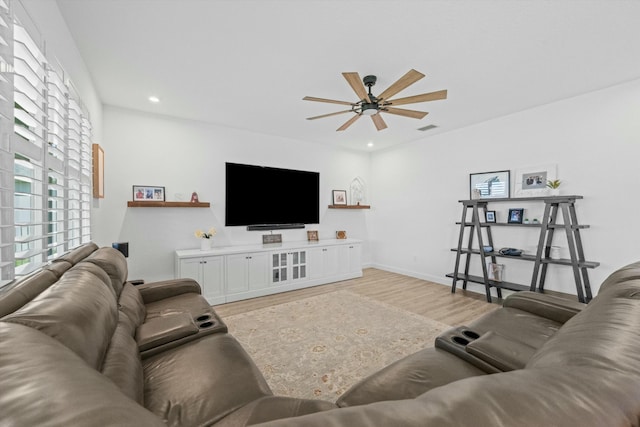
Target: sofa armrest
(156, 291)
(164, 329)
(504, 353)
(544, 305)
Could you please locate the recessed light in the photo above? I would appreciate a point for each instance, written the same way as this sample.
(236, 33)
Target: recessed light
(370, 144)
(154, 99)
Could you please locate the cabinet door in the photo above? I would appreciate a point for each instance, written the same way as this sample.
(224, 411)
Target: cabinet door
(279, 267)
(298, 265)
(258, 270)
(355, 258)
(190, 269)
(237, 273)
(212, 276)
(315, 263)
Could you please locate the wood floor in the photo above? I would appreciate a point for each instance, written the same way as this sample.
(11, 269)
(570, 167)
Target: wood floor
(429, 299)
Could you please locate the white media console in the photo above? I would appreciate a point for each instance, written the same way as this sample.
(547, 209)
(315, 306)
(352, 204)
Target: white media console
(233, 273)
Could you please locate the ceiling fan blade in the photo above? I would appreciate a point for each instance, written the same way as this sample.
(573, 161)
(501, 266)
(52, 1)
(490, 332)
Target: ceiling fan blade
(377, 120)
(356, 84)
(432, 96)
(331, 101)
(329, 115)
(406, 113)
(408, 79)
(349, 122)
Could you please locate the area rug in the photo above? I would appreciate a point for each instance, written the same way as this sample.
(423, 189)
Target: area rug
(318, 347)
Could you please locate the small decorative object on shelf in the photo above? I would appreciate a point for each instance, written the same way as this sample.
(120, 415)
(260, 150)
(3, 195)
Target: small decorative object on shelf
(206, 238)
(194, 197)
(357, 191)
(495, 271)
(312, 235)
(490, 216)
(515, 216)
(554, 186)
(341, 234)
(339, 197)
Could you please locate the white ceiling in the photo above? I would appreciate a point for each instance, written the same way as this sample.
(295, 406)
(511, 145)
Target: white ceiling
(248, 64)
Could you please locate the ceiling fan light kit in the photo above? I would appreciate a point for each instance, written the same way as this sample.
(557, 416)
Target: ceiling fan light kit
(370, 105)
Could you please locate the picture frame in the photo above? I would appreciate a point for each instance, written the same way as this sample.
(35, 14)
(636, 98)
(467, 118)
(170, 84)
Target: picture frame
(490, 216)
(148, 193)
(98, 171)
(515, 216)
(312, 235)
(339, 197)
(490, 185)
(532, 181)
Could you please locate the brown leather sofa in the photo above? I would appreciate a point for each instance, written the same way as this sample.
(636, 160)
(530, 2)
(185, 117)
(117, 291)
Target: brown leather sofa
(79, 345)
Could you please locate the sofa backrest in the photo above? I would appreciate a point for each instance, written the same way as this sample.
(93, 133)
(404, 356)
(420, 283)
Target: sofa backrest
(113, 263)
(606, 334)
(621, 275)
(76, 255)
(42, 382)
(79, 310)
(24, 290)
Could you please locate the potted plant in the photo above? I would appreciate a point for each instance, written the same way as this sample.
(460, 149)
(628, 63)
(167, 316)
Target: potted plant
(554, 185)
(207, 237)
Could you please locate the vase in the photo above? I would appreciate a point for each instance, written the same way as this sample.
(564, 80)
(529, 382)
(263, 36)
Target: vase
(554, 191)
(205, 244)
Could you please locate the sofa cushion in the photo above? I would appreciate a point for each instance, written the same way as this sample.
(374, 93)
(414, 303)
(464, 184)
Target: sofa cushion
(113, 263)
(202, 381)
(46, 384)
(122, 361)
(79, 311)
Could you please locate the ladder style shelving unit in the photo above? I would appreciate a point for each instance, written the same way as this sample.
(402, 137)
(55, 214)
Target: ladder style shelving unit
(548, 226)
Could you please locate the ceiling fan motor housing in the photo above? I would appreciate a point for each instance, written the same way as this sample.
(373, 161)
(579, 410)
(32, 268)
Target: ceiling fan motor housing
(369, 80)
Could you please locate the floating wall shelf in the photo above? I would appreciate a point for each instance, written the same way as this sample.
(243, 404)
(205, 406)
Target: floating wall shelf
(131, 204)
(349, 207)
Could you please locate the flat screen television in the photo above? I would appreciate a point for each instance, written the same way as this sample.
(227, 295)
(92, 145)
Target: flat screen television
(269, 197)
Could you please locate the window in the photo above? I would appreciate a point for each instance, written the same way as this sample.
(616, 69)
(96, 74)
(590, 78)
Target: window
(45, 156)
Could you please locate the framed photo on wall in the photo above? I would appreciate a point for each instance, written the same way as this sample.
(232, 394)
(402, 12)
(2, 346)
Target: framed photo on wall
(489, 185)
(490, 216)
(339, 197)
(532, 181)
(147, 193)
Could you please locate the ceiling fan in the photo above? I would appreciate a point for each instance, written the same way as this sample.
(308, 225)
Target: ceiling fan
(370, 105)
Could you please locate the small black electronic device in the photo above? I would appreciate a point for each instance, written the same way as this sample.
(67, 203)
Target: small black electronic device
(510, 251)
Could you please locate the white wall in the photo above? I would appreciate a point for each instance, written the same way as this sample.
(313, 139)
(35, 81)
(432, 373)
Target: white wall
(186, 156)
(593, 139)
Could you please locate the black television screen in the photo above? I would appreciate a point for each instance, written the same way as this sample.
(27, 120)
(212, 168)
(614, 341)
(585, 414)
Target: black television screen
(258, 195)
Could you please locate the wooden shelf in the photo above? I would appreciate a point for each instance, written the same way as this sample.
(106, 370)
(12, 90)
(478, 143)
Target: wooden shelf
(131, 204)
(349, 207)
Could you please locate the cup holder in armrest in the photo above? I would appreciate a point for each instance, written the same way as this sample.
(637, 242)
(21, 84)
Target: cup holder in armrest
(470, 334)
(459, 340)
(456, 340)
(203, 318)
(204, 325)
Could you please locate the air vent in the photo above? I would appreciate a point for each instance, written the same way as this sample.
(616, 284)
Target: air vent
(428, 127)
